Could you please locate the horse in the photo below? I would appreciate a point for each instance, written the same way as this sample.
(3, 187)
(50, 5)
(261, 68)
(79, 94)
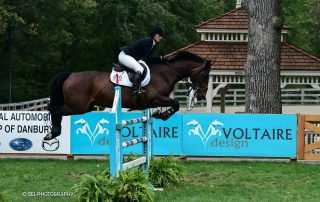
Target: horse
(78, 92)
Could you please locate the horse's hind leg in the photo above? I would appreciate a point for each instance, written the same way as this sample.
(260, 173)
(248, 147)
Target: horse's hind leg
(58, 112)
(56, 118)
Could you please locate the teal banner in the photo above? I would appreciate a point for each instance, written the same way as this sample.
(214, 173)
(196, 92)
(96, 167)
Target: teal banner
(90, 134)
(192, 134)
(239, 135)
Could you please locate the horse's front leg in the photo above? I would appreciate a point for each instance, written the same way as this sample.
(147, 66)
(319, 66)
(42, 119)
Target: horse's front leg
(165, 102)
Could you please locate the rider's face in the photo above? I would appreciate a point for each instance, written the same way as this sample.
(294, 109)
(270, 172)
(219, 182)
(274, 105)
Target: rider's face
(157, 38)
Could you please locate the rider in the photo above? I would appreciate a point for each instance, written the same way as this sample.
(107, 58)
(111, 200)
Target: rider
(140, 50)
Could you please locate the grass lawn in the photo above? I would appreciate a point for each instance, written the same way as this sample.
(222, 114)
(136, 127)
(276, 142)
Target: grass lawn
(205, 181)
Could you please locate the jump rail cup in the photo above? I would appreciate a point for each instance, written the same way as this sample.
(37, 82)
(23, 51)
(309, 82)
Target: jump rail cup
(116, 144)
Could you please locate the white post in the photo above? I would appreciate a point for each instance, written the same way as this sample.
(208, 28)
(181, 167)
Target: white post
(238, 5)
(209, 94)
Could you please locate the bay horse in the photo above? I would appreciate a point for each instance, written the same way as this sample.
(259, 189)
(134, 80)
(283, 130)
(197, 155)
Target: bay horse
(78, 92)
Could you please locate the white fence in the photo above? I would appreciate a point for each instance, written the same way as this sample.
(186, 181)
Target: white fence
(33, 105)
(234, 97)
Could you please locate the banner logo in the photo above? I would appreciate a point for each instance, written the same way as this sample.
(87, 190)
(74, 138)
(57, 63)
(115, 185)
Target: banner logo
(51, 145)
(84, 128)
(20, 144)
(198, 131)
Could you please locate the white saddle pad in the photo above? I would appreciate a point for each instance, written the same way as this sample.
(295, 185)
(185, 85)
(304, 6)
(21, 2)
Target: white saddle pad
(122, 78)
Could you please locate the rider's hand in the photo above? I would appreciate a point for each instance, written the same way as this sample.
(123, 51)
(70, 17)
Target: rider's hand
(162, 58)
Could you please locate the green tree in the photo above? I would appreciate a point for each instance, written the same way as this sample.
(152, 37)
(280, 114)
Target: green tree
(76, 35)
(228, 5)
(9, 20)
(303, 16)
(45, 43)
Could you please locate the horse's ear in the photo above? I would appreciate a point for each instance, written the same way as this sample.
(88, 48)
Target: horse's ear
(212, 62)
(208, 64)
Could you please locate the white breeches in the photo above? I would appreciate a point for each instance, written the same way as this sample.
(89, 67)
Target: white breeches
(130, 62)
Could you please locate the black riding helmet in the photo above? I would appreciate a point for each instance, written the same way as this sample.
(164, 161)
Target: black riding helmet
(157, 30)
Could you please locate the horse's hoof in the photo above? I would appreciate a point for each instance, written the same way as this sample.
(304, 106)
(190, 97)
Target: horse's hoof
(50, 136)
(165, 116)
(157, 115)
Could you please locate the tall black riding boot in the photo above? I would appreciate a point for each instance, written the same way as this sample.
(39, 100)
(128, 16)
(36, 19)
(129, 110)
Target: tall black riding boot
(136, 84)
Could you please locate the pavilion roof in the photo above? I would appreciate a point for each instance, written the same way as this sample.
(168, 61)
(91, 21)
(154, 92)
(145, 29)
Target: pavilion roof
(235, 19)
(232, 56)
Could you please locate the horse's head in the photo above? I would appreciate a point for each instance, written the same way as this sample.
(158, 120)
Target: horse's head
(199, 78)
(187, 64)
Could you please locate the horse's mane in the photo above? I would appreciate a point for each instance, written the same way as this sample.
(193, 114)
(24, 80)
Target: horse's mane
(185, 55)
(180, 55)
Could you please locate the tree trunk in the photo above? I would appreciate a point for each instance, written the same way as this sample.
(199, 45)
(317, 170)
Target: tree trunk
(262, 68)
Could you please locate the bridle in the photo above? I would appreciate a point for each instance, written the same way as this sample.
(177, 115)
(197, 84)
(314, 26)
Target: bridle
(195, 87)
(194, 90)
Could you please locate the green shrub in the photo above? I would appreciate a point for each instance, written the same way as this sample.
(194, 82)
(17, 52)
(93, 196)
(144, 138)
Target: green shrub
(131, 157)
(132, 185)
(95, 188)
(166, 171)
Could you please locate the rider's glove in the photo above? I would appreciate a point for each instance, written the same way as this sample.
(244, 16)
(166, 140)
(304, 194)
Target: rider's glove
(162, 58)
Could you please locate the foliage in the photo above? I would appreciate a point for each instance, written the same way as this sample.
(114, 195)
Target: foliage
(131, 185)
(166, 171)
(95, 188)
(131, 157)
(305, 26)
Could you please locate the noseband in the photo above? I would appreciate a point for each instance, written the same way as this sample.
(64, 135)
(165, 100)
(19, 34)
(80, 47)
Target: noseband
(193, 90)
(194, 87)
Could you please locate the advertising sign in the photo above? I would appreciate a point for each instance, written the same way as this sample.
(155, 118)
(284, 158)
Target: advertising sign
(23, 132)
(239, 135)
(90, 134)
(248, 135)
(167, 136)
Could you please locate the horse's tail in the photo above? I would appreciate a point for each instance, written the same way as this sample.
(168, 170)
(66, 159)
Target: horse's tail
(56, 94)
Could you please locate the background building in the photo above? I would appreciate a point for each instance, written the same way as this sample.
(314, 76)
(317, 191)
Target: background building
(224, 40)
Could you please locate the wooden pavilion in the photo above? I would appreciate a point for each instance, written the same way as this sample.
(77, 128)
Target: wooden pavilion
(224, 40)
